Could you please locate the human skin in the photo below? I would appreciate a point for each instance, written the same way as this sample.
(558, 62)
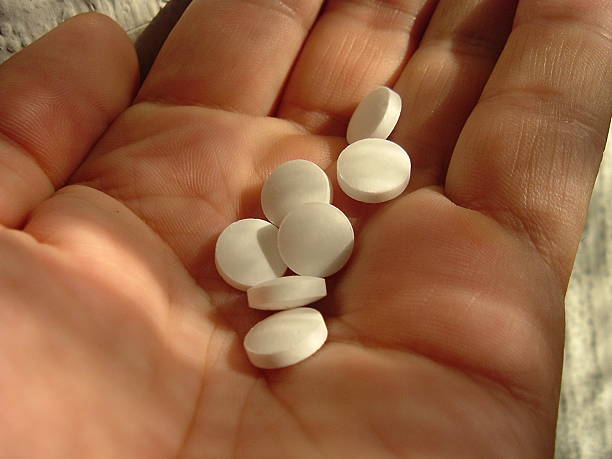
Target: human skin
(118, 338)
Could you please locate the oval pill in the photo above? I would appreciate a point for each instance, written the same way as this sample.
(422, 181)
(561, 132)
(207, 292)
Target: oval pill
(286, 292)
(376, 115)
(315, 239)
(292, 184)
(285, 338)
(246, 253)
(373, 170)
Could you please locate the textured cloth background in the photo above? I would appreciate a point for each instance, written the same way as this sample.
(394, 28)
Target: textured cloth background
(585, 414)
(22, 21)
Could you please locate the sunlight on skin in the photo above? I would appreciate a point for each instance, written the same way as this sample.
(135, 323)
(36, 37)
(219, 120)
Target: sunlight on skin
(397, 258)
(485, 355)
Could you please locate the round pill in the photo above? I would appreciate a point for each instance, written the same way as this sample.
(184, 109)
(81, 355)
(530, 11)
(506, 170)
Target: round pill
(286, 292)
(292, 184)
(285, 338)
(246, 253)
(315, 239)
(375, 116)
(373, 170)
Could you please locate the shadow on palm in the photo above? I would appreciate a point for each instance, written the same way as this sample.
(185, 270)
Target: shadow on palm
(417, 306)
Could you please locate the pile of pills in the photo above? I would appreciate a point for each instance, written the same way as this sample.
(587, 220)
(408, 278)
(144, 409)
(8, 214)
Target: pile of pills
(308, 235)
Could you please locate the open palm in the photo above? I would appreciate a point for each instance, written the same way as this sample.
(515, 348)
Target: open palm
(118, 338)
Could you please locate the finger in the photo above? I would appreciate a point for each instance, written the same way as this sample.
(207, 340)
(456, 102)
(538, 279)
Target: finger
(353, 47)
(233, 55)
(442, 82)
(530, 151)
(152, 38)
(56, 98)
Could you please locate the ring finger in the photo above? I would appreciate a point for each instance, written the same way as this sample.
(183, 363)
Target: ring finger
(442, 82)
(354, 46)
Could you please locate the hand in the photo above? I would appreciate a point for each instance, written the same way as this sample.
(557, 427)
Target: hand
(117, 336)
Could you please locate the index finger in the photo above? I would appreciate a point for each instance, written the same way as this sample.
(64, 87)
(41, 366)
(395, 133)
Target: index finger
(57, 97)
(530, 151)
(230, 54)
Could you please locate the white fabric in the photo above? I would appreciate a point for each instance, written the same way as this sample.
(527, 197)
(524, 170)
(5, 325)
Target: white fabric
(22, 21)
(584, 429)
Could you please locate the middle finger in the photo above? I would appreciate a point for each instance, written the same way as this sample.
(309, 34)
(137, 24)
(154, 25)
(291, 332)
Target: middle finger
(353, 47)
(444, 79)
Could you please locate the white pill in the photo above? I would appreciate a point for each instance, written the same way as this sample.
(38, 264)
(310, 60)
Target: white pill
(285, 338)
(373, 170)
(292, 184)
(315, 239)
(375, 116)
(286, 292)
(246, 253)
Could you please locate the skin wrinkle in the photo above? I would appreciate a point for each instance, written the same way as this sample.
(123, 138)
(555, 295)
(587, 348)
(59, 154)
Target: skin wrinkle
(347, 45)
(16, 128)
(292, 10)
(500, 393)
(135, 203)
(197, 408)
(313, 113)
(508, 218)
(359, 52)
(370, 343)
(416, 243)
(538, 235)
(534, 103)
(470, 43)
(461, 69)
(547, 59)
(49, 99)
(563, 16)
(239, 428)
(248, 48)
(500, 399)
(58, 252)
(582, 116)
(317, 70)
(9, 214)
(200, 102)
(293, 415)
(394, 15)
(27, 154)
(126, 191)
(386, 446)
(294, 106)
(469, 47)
